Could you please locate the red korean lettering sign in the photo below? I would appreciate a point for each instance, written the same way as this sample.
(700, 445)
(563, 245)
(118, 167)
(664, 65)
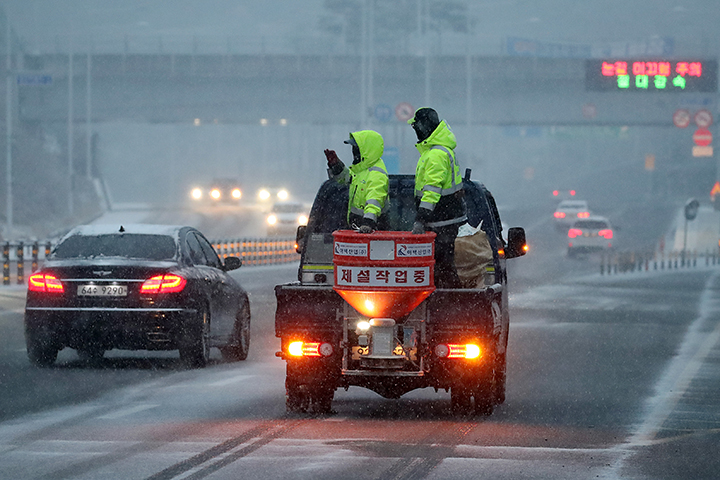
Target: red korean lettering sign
(351, 276)
(651, 75)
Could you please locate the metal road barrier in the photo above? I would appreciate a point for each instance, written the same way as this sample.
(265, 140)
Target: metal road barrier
(252, 251)
(259, 251)
(632, 261)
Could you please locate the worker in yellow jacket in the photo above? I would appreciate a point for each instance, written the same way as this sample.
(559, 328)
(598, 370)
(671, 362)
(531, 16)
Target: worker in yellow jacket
(439, 194)
(367, 178)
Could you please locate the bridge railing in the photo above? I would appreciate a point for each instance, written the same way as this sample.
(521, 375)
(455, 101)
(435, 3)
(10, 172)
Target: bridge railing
(252, 251)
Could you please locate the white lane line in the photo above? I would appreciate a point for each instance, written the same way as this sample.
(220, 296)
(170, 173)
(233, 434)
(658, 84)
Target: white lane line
(676, 378)
(129, 411)
(228, 381)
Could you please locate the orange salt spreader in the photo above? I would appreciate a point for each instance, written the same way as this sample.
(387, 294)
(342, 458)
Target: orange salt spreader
(383, 275)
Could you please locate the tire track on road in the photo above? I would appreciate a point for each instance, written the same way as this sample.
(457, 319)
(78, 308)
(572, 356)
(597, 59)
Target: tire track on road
(223, 454)
(440, 446)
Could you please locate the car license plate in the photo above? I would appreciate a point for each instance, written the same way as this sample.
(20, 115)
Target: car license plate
(102, 290)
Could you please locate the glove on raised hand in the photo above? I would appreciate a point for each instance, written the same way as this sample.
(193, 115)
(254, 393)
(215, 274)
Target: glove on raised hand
(334, 163)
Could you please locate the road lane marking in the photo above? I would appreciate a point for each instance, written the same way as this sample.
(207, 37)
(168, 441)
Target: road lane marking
(676, 378)
(228, 381)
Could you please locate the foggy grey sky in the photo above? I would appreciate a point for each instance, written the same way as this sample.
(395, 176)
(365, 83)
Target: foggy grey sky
(42, 24)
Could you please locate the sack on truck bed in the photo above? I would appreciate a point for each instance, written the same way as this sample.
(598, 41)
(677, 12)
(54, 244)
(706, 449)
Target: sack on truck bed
(473, 257)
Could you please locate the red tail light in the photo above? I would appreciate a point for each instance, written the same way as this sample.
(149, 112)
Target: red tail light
(574, 232)
(559, 214)
(163, 284)
(44, 282)
(583, 214)
(607, 233)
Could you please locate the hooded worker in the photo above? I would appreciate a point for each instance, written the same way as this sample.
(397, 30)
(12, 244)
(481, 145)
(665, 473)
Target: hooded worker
(439, 194)
(367, 178)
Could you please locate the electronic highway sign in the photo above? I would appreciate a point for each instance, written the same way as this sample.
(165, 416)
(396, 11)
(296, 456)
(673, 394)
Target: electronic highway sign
(613, 75)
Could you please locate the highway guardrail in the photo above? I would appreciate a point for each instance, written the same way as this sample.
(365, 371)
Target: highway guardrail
(252, 251)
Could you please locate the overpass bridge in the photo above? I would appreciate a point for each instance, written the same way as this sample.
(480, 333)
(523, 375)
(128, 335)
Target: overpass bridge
(164, 120)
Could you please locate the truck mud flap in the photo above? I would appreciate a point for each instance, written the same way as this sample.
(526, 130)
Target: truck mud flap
(463, 309)
(302, 308)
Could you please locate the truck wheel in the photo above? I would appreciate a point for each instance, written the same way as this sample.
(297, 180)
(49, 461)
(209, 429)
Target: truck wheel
(460, 400)
(41, 351)
(500, 380)
(240, 344)
(195, 347)
(297, 398)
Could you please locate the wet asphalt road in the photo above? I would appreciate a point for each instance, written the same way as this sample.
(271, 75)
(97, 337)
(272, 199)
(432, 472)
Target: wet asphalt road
(608, 377)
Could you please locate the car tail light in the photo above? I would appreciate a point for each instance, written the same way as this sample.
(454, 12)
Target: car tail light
(555, 193)
(163, 284)
(607, 233)
(310, 349)
(572, 193)
(559, 214)
(574, 232)
(454, 350)
(583, 214)
(44, 282)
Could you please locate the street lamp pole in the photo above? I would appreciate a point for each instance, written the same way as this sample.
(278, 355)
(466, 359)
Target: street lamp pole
(8, 130)
(70, 133)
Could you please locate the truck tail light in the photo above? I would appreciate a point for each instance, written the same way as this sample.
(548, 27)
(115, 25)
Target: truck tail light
(310, 349)
(44, 282)
(559, 214)
(455, 350)
(163, 284)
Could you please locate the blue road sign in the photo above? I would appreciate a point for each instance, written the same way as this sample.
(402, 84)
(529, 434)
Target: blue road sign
(32, 79)
(383, 112)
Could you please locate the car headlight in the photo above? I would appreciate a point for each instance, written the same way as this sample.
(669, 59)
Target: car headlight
(196, 193)
(236, 193)
(282, 194)
(263, 194)
(302, 220)
(271, 220)
(215, 193)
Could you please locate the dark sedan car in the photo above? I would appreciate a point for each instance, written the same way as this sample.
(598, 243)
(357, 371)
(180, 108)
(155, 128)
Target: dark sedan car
(137, 287)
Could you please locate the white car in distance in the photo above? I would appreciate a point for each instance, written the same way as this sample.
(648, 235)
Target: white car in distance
(590, 234)
(568, 211)
(285, 217)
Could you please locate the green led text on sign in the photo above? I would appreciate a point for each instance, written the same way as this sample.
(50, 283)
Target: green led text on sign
(651, 75)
